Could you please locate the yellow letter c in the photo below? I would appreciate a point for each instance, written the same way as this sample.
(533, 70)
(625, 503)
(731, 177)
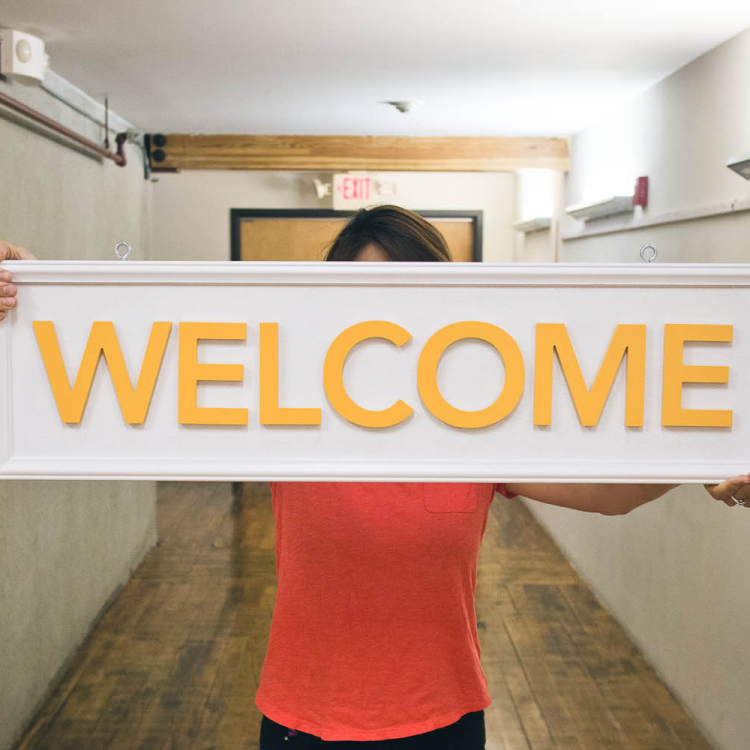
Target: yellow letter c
(333, 374)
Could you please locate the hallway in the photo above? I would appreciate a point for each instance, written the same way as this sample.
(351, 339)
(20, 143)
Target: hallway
(174, 662)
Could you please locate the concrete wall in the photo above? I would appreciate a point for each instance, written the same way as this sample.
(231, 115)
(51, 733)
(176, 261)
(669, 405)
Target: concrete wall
(191, 209)
(674, 572)
(65, 547)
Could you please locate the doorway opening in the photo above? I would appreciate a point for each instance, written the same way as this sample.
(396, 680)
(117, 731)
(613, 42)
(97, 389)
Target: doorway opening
(280, 234)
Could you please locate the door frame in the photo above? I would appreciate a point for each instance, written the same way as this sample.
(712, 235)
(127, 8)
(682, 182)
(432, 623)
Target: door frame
(236, 215)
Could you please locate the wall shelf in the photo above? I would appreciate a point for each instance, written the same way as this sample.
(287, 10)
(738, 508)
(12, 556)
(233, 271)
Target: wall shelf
(533, 225)
(741, 165)
(722, 208)
(618, 204)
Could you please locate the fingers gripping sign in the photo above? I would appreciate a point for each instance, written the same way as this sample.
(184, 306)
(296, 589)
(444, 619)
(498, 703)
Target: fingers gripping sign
(8, 290)
(734, 491)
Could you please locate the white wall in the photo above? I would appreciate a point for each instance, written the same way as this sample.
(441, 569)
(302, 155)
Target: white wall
(65, 547)
(540, 193)
(680, 133)
(675, 572)
(59, 202)
(191, 209)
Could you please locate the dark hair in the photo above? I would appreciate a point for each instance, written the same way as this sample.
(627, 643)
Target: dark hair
(400, 234)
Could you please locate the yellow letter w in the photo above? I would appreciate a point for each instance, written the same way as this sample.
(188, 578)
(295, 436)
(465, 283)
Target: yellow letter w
(71, 402)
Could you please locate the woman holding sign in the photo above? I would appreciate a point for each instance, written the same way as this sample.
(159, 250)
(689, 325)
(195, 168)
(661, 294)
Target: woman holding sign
(374, 636)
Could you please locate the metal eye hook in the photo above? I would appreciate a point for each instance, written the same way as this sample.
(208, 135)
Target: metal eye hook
(651, 257)
(127, 252)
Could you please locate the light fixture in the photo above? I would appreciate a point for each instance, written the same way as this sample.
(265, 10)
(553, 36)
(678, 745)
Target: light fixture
(322, 188)
(22, 56)
(741, 165)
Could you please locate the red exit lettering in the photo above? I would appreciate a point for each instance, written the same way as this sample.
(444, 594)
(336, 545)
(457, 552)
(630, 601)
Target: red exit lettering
(355, 188)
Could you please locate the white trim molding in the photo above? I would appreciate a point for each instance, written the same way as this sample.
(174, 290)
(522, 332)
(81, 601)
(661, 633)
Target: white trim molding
(290, 273)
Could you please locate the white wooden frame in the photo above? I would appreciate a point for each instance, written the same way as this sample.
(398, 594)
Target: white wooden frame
(198, 278)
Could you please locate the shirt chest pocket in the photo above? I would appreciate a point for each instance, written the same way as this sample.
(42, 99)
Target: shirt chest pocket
(449, 497)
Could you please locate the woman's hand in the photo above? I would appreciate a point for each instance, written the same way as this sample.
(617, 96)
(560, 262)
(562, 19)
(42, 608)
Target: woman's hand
(731, 491)
(7, 289)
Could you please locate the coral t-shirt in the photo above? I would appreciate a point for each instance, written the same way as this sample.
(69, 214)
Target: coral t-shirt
(374, 631)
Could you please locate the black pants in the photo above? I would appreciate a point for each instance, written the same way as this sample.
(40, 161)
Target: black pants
(468, 733)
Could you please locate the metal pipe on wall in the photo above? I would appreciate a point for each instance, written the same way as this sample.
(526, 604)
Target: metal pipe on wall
(118, 158)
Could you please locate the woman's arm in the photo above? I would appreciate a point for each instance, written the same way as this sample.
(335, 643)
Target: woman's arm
(608, 499)
(7, 289)
(617, 499)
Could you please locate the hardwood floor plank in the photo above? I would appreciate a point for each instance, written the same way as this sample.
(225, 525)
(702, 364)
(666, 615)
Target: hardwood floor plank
(175, 661)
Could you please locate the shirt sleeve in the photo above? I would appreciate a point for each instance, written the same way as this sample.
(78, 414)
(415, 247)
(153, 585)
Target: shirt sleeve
(504, 491)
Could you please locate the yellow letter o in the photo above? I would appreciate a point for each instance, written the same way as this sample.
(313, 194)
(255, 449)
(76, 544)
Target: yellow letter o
(428, 365)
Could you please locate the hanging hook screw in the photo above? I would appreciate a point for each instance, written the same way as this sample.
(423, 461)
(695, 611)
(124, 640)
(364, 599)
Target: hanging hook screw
(127, 253)
(647, 257)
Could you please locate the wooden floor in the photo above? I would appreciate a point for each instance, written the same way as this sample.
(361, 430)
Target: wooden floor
(174, 663)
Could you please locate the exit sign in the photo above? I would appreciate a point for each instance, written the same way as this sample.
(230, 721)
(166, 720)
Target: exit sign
(359, 190)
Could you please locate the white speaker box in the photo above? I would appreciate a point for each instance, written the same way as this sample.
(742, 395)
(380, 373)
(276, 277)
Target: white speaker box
(22, 55)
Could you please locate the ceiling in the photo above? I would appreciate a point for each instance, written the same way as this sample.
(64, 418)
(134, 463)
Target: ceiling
(317, 67)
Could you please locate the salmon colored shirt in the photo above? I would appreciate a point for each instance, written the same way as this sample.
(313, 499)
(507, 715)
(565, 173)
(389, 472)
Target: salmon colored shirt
(374, 632)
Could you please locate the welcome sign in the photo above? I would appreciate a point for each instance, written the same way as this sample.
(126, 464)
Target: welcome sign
(382, 372)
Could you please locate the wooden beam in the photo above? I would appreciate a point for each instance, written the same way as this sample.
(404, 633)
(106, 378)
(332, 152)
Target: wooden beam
(340, 153)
